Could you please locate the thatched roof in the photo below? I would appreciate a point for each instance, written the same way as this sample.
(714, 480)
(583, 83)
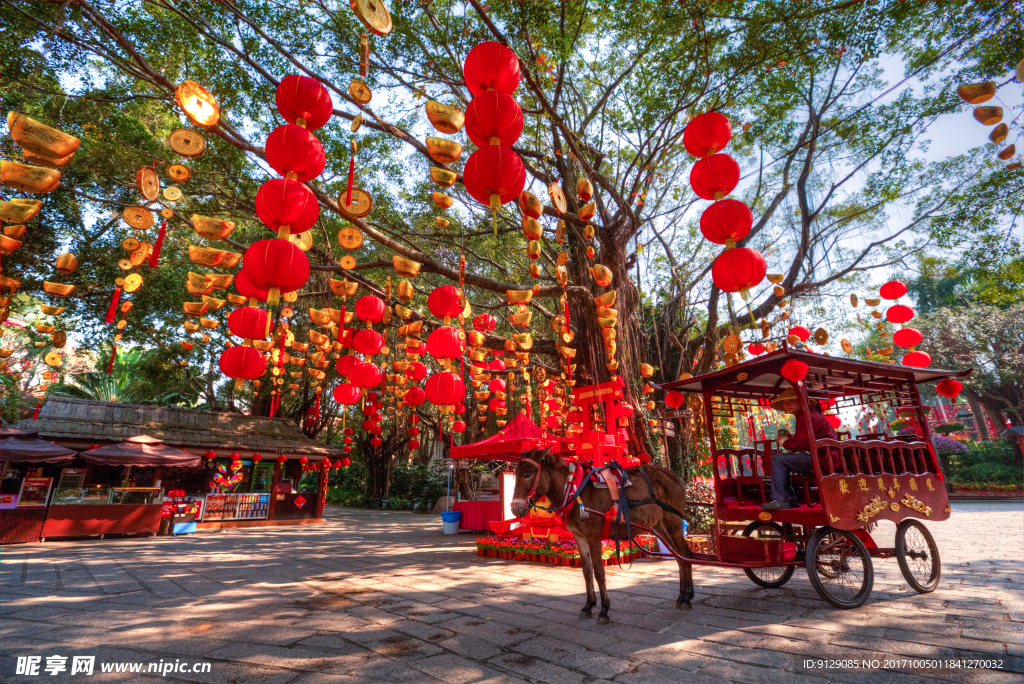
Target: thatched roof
(78, 423)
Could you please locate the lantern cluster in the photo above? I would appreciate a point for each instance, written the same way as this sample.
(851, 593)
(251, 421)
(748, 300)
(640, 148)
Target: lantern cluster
(901, 314)
(978, 93)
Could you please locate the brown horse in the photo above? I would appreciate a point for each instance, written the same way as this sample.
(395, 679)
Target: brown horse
(542, 473)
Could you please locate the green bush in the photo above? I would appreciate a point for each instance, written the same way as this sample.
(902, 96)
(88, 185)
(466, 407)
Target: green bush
(993, 462)
(949, 428)
(412, 488)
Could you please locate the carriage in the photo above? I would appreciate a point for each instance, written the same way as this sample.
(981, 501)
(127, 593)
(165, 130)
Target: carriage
(881, 477)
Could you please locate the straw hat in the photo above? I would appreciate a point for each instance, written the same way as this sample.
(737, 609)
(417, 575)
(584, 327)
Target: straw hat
(788, 394)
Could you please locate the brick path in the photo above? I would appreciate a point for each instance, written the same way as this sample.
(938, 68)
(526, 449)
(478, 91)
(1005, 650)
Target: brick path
(385, 597)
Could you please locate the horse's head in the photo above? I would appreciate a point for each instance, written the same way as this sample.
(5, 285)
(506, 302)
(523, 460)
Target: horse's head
(534, 475)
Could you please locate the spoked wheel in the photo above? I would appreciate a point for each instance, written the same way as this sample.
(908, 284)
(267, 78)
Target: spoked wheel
(773, 577)
(918, 556)
(839, 567)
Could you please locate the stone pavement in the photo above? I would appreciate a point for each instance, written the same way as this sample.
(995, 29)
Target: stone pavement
(377, 596)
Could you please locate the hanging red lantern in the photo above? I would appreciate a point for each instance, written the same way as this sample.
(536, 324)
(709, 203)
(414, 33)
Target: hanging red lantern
(445, 389)
(727, 220)
(800, 332)
(236, 456)
(345, 364)
(907, 337)
(369, 425)
(294, 150)
(242, 363)
(287, 206)
(376, 442)
(370, 309)
(414, 431)
(276, 266)
(209, 455)
(497, 405)
(458, 426)
(714, 177)
(497, 365)
(494, 175)
(301, 97)
(794, 370)
(899, 313)
(460, 409)
(413, 419)
(303, 460)
(918, 359)
(949, 388)
(368, 342)
(247, 290)
(494, 118)
(496, 385)
(446, 343)
(347, 394)
(416, 371)
(415, 396)
(346, 462)
(491, 66)
(281, 459)
(707, 134)
(738, 270)
(674, 399)
(834, 420)
(484, 323)
(756, 348)
(365, 375)
(893, 289)
(413, 444)
(249, 322)
(553, 422)
(443, 301)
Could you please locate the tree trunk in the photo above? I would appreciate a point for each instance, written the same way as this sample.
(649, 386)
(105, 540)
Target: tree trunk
(979, 416)
(379, 464)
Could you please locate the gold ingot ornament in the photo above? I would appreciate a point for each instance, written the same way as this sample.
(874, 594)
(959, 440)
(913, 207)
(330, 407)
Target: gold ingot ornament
(443, 151)
(28, 178)
(39, 138)
(444, 118)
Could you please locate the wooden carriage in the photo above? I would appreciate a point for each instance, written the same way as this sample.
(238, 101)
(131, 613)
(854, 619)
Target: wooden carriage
(879, 477)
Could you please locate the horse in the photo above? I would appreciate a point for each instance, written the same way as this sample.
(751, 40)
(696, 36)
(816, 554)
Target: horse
(543, 473)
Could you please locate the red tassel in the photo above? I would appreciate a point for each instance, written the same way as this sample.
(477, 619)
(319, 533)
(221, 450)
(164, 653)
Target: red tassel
(110, 366)
(155, 257)
(316, 412)
(35, 416)
(351, 178)
(112, 311)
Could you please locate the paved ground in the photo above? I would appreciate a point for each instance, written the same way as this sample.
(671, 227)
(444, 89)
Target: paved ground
(385, 597)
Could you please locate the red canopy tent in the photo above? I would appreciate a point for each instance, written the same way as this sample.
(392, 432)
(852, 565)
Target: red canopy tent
(508, 444)
(25, 446)
(142, 451)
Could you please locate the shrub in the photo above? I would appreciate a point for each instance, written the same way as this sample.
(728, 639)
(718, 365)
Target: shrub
(947, 445)
(948, 428)
(993, 462)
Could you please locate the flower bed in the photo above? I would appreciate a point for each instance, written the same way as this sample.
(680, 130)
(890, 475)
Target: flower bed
(559, 553)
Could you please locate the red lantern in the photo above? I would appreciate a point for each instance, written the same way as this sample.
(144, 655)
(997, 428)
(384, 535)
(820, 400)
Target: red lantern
(494, 118)
(416, 371)
(445, 389)
(347, 431)
(365, 375)
(247, 290)
(497, 404)
(413, 444)
(249, 322)
(445, 343)
(458, 426)
(415, 396)
(368, 342)
(707, 134)
(370, 309)
(210, 455)
(907, 337)
(281, 459)
(303, 460)
(236, 456)
(494, 175)
(738, 269)
(497, 365)
(496, 385)
(242, 363)
(414, 431)
(714, 177)
(347, 394)
(292, 149)
(949, 388)
(376, 442)
(413, 419)
(674, 399)
(727, 220)
(369, 425)
(794, 370)
(553, 422)
(301, 97)
(893, 289)
(834, 420)
(346, 462)
(918, 359)
(756, 348)
(484, 323)
(443, 302)
(800, 331)
(491, 66)
(460, 409)
(899, 313)
(286, 206)
(276, 266)
(345, 363)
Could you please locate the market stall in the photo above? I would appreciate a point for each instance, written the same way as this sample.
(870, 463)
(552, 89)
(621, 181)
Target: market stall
(28, 466)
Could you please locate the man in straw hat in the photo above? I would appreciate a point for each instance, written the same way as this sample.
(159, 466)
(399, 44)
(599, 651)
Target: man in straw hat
(799, 458)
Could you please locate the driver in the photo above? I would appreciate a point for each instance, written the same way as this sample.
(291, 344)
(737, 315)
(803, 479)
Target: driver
(799, 458)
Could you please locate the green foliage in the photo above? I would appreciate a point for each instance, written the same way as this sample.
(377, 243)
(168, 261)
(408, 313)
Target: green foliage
(949, 428)
(995, 462)
(9, 397)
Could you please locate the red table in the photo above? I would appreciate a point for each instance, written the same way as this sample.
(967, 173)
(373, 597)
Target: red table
(476, 514)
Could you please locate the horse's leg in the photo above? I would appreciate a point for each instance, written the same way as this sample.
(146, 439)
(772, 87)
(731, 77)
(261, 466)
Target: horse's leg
(672, 529)
(588, 574)
(595, 553)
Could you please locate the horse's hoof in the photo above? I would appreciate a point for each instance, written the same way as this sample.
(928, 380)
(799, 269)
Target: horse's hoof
(603, 620)
(683, 605)
(586, 614)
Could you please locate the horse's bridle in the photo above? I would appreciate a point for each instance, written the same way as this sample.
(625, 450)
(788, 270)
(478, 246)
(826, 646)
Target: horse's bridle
(532, 493)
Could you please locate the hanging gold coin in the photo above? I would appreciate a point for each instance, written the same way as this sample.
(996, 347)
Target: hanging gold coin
(167, 213)
(130, 244)
(179, 173)
(348, 262)
(140, 255)
(186, 143)
(172, 194)
(732, 344)
(557, 197)
(122, 324)
(821, 336)
(287, 312)
(138, 218)
(124, 265)
(59, 339)
(148, 182)
(374, 15)
(350, 237)
(132, 283)
(361, 205)
(360, 92)
(845, 344)
(52, 359)
(357, 123)
(303, 241)
(126, 307)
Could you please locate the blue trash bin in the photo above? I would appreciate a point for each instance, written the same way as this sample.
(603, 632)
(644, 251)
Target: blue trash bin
(451, 521)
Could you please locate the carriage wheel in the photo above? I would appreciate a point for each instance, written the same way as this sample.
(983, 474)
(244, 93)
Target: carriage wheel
(775, 576)
(918, 556)
(839, 567)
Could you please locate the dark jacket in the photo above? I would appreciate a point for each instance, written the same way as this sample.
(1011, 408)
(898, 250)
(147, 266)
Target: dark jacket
(822, 430)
